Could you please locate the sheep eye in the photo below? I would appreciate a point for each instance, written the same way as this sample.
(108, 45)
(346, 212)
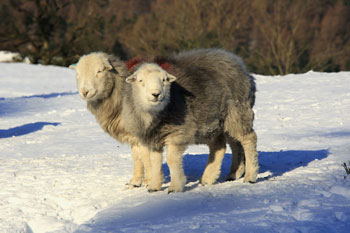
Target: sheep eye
(140, 80)
(100, 71)
(114, 71)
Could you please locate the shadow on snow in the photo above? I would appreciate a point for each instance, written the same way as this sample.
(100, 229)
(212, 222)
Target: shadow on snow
(45, 96)
(52, 95)
(25, 129)
(10, 106)
(158, 214)
(277, 163)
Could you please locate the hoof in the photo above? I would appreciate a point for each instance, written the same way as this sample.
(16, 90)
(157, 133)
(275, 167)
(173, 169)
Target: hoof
(249, 181)
(152, 190)
(250, 178)
(207, 183)
(131, 186)
(175, 190)
(230, 179)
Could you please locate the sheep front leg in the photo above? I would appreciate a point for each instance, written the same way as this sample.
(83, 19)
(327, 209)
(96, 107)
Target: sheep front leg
(157, 172)
(174, 160)
(144, 154)
(217, 152)
(136, 179)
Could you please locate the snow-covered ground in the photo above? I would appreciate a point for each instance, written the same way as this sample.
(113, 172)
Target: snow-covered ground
(59, 172)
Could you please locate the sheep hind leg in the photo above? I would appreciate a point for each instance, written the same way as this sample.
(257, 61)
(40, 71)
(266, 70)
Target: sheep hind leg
(213, 168)
(136, 179)
(239, 126)
(249, 142)
(238, 160)
(177, 174)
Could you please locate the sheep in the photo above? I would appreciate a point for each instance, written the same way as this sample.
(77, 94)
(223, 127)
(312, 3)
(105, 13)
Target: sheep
(210, 103)
(100, 79)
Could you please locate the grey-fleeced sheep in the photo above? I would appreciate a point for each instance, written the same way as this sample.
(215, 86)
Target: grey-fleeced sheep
(100, 79)
(210, 103)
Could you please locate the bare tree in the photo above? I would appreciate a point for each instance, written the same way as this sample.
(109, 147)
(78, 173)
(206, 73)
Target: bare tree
(280, 35)
(51, 31)
(331, 49)
(273, 37)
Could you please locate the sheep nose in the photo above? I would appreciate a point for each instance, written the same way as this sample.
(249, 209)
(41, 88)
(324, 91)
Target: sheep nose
(84, 92)
(156, 94)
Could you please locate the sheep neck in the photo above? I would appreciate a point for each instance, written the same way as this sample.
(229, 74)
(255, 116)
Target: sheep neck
(107, 112)
(138, 121)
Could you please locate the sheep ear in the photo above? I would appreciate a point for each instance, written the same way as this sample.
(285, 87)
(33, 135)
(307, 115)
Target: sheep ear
(108, 65)
(171, 78)
(73, 66)
(132, 78)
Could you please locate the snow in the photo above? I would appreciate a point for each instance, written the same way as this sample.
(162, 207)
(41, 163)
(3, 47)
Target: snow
(6, 56)
(59, 172)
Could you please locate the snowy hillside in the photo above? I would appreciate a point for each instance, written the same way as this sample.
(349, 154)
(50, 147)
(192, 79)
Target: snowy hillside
(59, 172)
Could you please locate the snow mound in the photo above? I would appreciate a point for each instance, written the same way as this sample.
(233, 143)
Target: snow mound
(341, 190)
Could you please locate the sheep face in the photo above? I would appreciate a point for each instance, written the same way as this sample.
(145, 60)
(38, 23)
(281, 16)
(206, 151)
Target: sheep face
(151, 87)
(95, 79)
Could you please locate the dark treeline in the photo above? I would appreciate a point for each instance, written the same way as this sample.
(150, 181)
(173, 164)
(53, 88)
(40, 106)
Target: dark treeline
(272, 36)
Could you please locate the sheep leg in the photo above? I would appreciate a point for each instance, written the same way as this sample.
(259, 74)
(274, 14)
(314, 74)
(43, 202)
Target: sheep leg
(174, 160)
(238, 160)
(142, 154)
(251, 156)
(213, 168)
(146, 160)
(157, 172)
(136, 180)
(240, 127)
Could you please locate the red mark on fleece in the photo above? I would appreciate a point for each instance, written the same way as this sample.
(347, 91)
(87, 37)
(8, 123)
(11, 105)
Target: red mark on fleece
(166, 66)
(136, 61)
(130, 64)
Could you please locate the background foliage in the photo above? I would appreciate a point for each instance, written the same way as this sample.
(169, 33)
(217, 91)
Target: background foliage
(272, 36)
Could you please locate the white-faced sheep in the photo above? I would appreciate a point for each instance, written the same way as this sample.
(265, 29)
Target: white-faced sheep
(100, 79)
(210, 103)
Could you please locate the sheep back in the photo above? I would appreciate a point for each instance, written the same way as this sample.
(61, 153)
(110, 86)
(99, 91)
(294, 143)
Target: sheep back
(211, 86)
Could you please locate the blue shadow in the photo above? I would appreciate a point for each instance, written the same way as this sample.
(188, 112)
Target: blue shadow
(158, 215)
(52, 95)
(281, 162)
(277, 163)
(25, 129)
(10, 106)
(339, 134)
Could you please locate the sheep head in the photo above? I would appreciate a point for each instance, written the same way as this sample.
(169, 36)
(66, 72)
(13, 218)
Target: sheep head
(95, 76)
(151, 86)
